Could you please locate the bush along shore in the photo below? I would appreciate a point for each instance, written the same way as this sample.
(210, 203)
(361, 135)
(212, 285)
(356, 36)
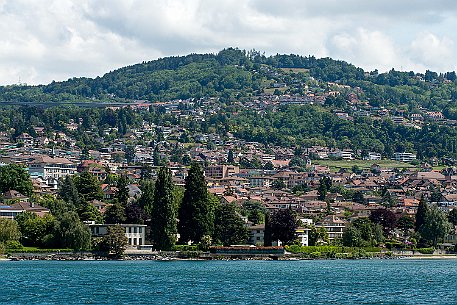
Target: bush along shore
(292, 252)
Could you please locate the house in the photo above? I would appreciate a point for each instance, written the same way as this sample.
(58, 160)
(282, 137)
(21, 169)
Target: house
(93, 167)
(100, 205)
(135, 233)
(334, 226)
(303, 236)
(404, 157)
(14, 209)
(13, 196)
(256, 234)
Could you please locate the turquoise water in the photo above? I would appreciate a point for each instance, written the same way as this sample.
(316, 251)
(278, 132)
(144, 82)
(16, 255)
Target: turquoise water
(229, 282)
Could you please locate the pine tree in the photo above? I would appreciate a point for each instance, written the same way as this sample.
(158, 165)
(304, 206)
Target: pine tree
(421, 214)
(147, 196)
(68, 191)
(88, 186)
(230, 157)
(267, 241)
(164, 212)
(196, 213)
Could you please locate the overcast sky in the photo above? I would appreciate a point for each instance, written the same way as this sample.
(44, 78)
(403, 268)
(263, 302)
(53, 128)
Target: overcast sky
(45, 40)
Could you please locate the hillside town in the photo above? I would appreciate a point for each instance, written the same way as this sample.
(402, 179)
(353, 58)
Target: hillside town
(236, 171)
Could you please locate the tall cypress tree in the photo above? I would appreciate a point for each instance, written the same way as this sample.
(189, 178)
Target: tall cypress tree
(196, 213)
(68, 191)
(163, 220)
(122, 193)
(421, 214)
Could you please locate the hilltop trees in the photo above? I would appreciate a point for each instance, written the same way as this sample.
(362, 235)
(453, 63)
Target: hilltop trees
(68, 191)
(196, 213)
(122, 193)
(164, 212)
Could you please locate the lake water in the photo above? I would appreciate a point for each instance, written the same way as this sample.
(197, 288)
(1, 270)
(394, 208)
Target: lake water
(229, 282)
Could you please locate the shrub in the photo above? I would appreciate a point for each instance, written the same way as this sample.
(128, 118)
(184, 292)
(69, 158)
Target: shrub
(185, 248)
(14, 244)
(426, 250)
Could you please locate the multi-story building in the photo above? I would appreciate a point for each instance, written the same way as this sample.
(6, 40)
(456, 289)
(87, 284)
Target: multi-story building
(221, 171)
(334, 226)
(404, 157)
(45, 167)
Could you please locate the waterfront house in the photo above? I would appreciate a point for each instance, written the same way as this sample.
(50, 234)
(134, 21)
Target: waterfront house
(135, 233)
(334, 226)
(256, 234)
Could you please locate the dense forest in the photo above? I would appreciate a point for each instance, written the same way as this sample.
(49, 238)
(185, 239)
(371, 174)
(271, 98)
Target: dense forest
(234, 73)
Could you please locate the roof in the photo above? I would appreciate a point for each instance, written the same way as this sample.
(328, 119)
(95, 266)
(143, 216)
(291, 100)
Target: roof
(13, 194)
(50, 160)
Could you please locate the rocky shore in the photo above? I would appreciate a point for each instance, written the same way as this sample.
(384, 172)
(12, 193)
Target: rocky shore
(173, 256)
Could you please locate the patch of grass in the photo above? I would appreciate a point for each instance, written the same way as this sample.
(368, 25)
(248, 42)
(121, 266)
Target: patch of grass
(363, 164)
(36, 250)
(295, 70)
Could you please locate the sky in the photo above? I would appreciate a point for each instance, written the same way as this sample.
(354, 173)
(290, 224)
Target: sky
(46, 40)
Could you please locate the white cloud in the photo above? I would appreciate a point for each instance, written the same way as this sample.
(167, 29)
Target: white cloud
(370, 49)
(433, 52)
(58, 39)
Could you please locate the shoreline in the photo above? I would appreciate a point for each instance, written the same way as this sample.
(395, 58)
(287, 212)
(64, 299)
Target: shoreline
(177, 257)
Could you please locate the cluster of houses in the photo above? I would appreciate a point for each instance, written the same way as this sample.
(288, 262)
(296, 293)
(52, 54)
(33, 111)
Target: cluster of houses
(238, 185)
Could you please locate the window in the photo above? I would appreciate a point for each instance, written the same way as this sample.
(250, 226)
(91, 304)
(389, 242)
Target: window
(140, 230)
(140, 241)
(134, 230)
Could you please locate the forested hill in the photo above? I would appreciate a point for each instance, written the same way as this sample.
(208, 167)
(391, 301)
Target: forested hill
(236, 74)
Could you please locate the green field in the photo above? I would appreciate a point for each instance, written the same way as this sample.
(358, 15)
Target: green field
(335, 165)
(295, 70)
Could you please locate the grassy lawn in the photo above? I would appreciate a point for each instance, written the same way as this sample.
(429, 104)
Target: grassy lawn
(295, 70)
(272, 90)
(338, 164)
(36, 250)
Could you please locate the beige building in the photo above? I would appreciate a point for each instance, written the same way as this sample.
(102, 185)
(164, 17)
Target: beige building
(221, 171)
(45, 167)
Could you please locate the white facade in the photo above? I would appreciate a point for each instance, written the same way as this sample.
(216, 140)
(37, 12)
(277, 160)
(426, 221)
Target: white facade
(303, 236)
(374, 156)
(404, 157)
(135, 233)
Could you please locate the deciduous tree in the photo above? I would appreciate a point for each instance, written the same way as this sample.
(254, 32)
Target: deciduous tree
(229, 228)
(15, 177)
